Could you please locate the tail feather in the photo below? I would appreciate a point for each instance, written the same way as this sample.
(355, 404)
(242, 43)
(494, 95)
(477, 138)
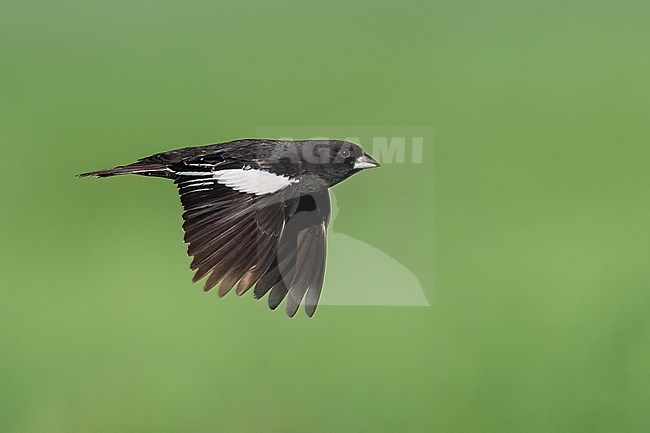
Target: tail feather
(144, 168)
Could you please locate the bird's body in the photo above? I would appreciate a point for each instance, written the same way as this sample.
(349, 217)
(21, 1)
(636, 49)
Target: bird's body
(257, 211)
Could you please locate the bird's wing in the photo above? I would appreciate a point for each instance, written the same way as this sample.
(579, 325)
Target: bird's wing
(247, 227)
(298, 270)
(232, 232)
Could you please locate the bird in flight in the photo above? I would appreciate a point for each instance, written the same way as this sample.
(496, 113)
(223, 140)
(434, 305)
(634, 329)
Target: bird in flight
(256, 211)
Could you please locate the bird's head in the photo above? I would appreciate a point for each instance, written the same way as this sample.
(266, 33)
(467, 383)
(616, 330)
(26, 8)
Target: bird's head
(334, 160)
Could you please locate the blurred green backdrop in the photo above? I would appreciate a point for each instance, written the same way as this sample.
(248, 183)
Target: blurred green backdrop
(539, 222)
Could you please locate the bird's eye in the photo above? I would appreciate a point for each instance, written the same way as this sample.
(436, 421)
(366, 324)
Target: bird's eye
(344, 153)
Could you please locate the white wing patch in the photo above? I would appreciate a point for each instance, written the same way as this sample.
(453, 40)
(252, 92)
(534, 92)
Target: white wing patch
(252, 181)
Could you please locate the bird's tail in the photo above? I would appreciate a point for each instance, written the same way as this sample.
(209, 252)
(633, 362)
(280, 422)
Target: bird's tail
(145, 168)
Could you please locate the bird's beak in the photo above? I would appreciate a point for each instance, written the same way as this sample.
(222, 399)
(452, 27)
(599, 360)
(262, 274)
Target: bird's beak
(365, 161)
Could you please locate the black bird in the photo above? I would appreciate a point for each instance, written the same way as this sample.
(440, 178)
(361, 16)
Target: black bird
(256, 211)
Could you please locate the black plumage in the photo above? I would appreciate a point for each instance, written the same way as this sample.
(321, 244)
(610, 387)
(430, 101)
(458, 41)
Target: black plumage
(256, 211)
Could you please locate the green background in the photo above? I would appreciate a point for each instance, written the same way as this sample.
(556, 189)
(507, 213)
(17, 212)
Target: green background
(534, 248)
